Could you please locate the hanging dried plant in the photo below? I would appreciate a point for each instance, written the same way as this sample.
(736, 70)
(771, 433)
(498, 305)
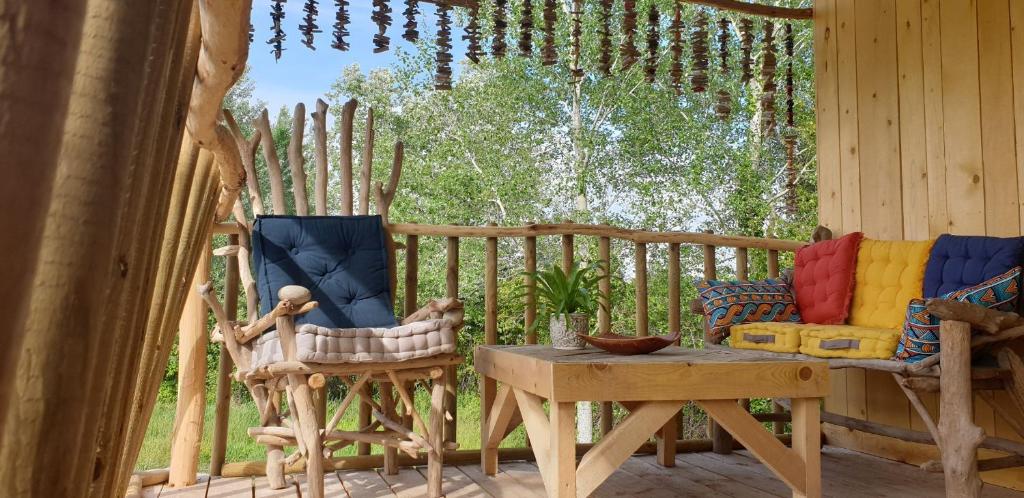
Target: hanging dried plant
(309, 27)
(549, 55)
(699, 47)
(412, 10)
(498, 46)
(575, 34)
(791, 174)
(723, 45)
(789, 76)
(252, 32)
(276, 15)
(723, 108)
(653, 40)
(768, 86)
(746, 50)
(605, 34)
(627, 51)
(526, 29)
(676, 30)
(443, 78)
(381, 16)
(341, 25)
(473, 49)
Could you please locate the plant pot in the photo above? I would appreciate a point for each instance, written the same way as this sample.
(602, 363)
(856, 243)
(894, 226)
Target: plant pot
(563, 334)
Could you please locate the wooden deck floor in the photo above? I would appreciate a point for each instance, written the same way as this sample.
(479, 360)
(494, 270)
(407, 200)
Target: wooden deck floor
(845, 474)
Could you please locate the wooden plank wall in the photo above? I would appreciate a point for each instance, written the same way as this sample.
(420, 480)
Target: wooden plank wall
(920, 112)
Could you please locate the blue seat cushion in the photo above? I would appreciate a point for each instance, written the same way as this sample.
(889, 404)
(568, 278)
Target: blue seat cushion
(957, 262)
(342, 260)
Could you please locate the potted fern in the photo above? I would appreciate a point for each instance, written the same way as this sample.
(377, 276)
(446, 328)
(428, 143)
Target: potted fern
(570, 299)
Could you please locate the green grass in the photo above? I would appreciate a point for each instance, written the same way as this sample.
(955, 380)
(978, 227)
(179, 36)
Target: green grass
(156, 448)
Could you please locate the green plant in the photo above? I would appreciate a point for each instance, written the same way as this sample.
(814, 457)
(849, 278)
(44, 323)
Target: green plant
(576, 291)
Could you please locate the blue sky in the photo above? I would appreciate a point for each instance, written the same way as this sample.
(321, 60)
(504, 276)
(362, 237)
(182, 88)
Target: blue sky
(303, 75)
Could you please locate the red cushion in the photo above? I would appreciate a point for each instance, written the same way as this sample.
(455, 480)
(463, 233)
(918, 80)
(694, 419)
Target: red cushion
(823, 279)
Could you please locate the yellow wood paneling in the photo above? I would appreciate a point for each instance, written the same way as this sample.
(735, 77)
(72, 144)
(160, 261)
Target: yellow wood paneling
(931, 56)
(1017, 49)
(849, 158)
(913, 144)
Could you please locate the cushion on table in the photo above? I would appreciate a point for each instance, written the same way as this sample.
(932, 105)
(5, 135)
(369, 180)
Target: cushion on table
(847, 341)
(342, 260)
(777, 337)
(316, 344)
(889, 274)
(731, 302)
(823, 279)
(959, 261)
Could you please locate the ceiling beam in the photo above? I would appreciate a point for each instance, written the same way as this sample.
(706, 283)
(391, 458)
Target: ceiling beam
(755, 9)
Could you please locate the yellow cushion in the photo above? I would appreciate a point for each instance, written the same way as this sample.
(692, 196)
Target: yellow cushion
(779, 337)
(847, 341)
(889, 274)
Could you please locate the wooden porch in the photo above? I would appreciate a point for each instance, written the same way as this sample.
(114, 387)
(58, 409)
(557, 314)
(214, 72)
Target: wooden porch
(844, 474)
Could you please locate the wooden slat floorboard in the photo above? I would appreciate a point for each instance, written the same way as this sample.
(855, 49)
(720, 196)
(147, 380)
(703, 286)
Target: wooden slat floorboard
(408, 483)
(364, 484)
(456, 484)
(501, 485)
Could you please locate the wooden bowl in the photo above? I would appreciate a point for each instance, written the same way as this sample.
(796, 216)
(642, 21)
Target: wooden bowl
(629, 345)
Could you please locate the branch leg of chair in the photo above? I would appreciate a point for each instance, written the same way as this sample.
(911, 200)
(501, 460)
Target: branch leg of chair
(387, 402)
(959, 436)
(309, 429)
(435, 458)
(919, 407)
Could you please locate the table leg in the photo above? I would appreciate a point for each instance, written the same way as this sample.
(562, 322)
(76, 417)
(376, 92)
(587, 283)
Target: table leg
(488, 456)
(807, 442)
(667, 442)
(562, 463)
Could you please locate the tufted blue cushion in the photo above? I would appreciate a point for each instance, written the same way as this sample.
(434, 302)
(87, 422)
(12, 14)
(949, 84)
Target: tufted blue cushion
(958, 261)
(342, 260)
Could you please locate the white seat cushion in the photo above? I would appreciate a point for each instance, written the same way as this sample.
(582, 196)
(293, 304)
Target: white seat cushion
(315, 344)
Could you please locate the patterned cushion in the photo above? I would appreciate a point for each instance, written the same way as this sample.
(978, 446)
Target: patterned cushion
(920, 336)
(342, 260)
(823, 280)
(959, 261)
(889, 274)
(730, 302)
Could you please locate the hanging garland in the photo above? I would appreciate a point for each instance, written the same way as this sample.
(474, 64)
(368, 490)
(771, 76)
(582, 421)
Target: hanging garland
(789, 76)
(768, 86)
(575, 34)
(382, 17)
(252, 32)
(443, 77)
(473, 49)
(627, 51)
(724, 106)
(412, 10)
(676, 30)
(699, 46)
(277, 41)
(605, 62)
(309, 26)
(549, 55)
(498, 47)
(526, 30)
(789, 138)
(653, 40)
(746, 50)
(341, 25)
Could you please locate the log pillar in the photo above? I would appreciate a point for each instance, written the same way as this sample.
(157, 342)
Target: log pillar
(960, 437)
(188, 419)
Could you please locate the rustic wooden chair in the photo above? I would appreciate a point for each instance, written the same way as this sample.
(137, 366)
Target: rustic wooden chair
(324, 286)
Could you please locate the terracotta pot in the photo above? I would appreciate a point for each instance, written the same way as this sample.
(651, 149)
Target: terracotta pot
(566, 336)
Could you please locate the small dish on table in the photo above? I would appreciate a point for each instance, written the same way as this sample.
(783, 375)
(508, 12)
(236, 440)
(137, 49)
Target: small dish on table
(630, 345)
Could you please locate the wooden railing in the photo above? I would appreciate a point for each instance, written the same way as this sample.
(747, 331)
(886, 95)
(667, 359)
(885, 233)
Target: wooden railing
(452, 235)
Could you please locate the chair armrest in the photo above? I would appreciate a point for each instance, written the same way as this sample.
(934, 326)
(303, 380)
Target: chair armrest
(448, 307)
(294, 300)
(988, 320)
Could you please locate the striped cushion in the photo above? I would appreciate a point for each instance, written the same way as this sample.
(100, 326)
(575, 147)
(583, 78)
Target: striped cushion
(731, 302)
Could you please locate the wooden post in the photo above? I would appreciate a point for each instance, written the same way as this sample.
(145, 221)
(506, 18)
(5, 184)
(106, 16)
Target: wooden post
(412, 268)
(641, 289)
(721, 441)
(530, 306)
(674, 313)
(348, 114)
(296, 162)
(218, 447)
(773, 263)
(960, 437)
(188, 419)
(568, 253)
(273, 163)
(741, 263)
(604, 316)
(367, 165)
(451, 384)
(320, 157)
(488, 387)
(387, 402)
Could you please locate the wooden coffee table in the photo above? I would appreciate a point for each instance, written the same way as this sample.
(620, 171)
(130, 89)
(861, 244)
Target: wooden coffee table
(653, 388)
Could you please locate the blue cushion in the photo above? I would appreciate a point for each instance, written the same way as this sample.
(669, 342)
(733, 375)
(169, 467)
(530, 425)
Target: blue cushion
(957, 261)
(342, 260)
